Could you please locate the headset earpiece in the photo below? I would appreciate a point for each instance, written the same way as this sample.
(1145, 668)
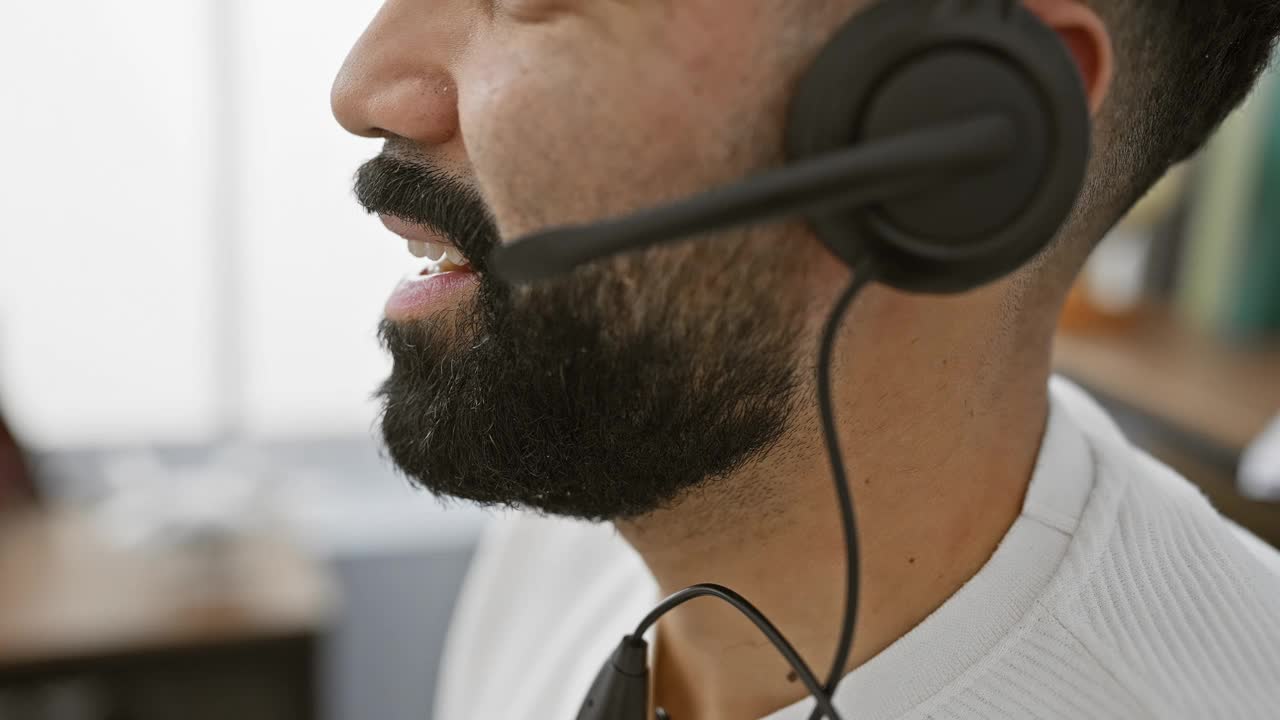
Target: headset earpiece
(908, 64)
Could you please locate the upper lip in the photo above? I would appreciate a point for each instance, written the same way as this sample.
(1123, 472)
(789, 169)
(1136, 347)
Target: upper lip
(411, 231)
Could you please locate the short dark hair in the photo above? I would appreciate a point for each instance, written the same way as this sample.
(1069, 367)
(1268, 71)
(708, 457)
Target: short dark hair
(1182, 67)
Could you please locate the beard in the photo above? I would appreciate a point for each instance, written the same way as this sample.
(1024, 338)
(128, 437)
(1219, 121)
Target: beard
(605, 394)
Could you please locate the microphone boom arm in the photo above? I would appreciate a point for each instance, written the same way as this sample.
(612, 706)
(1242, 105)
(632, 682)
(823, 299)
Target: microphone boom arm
(870, 172)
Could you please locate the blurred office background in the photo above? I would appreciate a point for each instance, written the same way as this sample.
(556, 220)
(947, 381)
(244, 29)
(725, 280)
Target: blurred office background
(188, 300)
(188, 304)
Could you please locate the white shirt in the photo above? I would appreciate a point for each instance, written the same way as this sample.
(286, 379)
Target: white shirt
(1118, 593)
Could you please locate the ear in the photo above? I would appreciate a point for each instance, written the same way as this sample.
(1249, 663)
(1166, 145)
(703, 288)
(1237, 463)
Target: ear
(1087, 38)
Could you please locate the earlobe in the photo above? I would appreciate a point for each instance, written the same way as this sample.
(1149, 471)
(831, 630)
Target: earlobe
(1086, 36)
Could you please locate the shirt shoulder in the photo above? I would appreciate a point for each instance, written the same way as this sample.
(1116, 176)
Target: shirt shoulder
(1172, 599)
(1161, 608)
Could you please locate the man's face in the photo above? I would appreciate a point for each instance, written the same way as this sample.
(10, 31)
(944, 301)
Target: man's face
(608, 392)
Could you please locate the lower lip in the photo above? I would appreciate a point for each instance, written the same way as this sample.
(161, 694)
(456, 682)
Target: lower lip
(420, 296)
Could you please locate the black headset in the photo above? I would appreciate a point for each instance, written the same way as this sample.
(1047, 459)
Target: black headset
(935, 145)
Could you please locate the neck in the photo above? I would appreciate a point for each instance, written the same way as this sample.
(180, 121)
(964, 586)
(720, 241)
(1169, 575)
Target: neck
(940, 443)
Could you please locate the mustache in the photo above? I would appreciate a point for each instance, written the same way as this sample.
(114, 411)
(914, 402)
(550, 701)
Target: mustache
(424, 195)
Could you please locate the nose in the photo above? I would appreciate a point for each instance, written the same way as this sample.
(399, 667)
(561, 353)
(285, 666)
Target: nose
(395, 81)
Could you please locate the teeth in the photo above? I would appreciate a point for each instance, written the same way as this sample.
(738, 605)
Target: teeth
(435, 251)
(455, 256)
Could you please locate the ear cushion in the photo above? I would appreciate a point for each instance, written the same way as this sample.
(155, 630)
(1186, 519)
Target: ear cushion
(907, 64)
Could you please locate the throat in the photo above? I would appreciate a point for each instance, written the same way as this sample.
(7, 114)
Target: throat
(922, 537)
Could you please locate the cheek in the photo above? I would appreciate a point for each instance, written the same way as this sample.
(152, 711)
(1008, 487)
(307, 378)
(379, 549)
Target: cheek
(541, 140)
(556, 137)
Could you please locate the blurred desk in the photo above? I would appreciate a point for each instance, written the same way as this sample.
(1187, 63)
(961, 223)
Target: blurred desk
(219, 631)
(1192, 400)
(1220, 393)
